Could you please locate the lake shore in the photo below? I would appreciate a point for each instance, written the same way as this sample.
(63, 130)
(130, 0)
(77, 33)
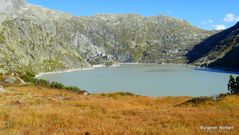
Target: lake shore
(101, 65)
(233, 71)
(75, 69)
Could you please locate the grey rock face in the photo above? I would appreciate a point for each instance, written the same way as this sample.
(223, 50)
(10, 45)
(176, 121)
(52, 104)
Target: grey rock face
(38, 39)
(134, 38)
(11, 6)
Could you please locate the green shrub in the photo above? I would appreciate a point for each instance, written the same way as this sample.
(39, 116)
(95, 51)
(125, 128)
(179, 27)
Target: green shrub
(233, 85)
(2, 38)
(30, 74)
(110, 63)
(61, 86)
(29, 77)
(57, 85)
(73, 88)
(198, 100)
(118, 94)
(42, 82)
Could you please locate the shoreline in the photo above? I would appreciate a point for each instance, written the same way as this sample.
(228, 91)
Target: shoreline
(129, 63)
(100, 66)
(63, 71)
(75, 69)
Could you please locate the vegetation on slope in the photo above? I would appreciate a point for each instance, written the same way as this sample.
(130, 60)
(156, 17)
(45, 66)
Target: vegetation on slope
(2, 38)
(233, 85)
(30, 77)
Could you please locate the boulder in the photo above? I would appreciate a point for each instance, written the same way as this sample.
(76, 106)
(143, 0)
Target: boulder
(1, 89)
(9, 79)
(83, 92)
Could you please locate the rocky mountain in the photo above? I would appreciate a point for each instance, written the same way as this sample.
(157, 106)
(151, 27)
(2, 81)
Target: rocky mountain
(37, 39)
(11, 6)
(218, 51)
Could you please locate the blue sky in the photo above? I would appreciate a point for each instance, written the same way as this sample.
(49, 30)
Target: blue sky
(206, 14)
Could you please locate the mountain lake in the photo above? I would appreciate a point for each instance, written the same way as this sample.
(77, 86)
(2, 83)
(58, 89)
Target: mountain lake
(147, 80)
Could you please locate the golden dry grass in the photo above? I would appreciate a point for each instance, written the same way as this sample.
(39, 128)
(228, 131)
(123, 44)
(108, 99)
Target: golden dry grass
(31, 110)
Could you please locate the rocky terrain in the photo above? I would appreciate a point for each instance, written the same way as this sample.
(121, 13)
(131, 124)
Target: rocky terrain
(218, 51)
(33, 38)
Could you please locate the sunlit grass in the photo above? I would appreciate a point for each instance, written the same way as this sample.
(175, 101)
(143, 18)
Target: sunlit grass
(40, 111)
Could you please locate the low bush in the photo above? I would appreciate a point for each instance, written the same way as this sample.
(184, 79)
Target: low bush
(198, 101)
(118, 94)
(57, 85)
(233, 85)
(73, 88)
(42, 82)
(30, 77)
(2, 38)
(110, 63)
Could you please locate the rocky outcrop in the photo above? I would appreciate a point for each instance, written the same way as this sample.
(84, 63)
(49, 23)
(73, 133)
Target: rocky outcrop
(134, 38)
(37, 39)
(11, 6)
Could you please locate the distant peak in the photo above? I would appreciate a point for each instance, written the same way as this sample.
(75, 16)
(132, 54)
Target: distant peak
(236, 26)
(237, 23)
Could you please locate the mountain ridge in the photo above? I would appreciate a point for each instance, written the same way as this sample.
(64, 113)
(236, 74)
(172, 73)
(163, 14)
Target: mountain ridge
(41, 40)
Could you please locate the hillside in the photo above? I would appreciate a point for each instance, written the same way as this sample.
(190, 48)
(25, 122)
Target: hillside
(37, 39)
(219, 51)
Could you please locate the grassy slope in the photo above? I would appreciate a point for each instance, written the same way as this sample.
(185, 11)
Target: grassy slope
(38, 110)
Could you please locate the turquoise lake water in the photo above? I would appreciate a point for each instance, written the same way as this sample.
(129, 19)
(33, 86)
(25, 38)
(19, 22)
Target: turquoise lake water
(147, 79)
